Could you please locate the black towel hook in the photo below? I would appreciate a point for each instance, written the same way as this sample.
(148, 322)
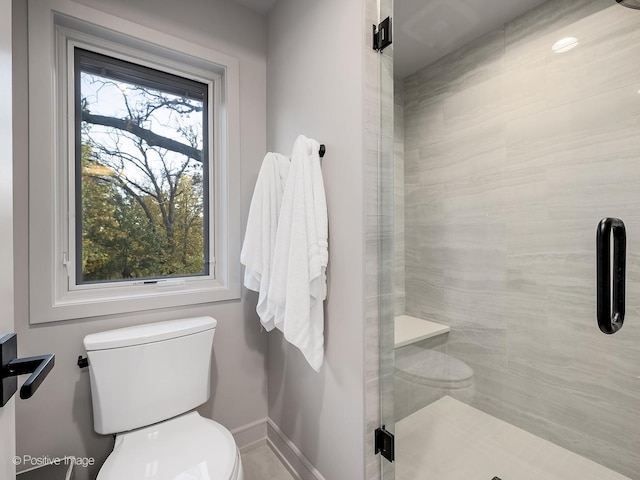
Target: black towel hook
(323, 149)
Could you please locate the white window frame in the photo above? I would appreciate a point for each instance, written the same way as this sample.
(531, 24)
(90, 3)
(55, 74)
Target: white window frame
(56, 27)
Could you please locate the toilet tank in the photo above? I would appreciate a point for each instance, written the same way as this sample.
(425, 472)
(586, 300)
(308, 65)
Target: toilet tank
(148, 373)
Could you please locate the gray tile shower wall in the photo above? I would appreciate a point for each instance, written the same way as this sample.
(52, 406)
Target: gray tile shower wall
(512, 154)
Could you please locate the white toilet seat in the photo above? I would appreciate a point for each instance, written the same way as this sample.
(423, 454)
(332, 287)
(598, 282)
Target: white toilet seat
(188, 447)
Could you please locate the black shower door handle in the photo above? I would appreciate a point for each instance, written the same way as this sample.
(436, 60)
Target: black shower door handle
(611, 299)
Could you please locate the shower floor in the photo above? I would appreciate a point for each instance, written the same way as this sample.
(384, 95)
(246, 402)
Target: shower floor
(449, 440)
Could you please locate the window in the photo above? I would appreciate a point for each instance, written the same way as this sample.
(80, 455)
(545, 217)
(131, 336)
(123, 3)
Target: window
(134, 175)
(141, 158)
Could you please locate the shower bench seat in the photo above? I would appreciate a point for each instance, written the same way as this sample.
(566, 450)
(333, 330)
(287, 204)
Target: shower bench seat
(410, 330)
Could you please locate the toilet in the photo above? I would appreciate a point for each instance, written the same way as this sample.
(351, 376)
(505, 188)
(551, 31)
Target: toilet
(145, 382)
(423, 376)
(422, 373)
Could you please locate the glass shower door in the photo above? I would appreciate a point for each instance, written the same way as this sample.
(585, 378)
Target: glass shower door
(509, 151)
(388, 228)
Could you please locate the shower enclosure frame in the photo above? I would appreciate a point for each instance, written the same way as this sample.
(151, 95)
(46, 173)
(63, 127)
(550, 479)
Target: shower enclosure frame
(385, 253)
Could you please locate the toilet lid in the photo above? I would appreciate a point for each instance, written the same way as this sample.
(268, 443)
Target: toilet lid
(432, 368)
(188, 447)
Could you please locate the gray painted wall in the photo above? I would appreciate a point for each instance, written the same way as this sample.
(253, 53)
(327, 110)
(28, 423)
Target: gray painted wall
(512, 155)
(7, 413)
(315, 85)
(58, 420)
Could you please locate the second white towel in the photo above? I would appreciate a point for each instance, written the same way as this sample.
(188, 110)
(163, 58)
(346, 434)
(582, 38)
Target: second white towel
(298, 284)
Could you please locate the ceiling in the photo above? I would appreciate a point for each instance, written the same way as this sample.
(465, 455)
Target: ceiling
(425, 30)
(260, 6)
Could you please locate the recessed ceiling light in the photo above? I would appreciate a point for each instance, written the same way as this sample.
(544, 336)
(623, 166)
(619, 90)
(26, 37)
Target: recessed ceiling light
(565, 44)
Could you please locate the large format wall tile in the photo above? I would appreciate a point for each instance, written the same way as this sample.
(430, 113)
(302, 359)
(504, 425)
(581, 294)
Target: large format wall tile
(531, 35)
(512, 154)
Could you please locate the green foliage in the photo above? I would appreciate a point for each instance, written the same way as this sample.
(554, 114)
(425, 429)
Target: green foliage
(141, 182)
(119, 240)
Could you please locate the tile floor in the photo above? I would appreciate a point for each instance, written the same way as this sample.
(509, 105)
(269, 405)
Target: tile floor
(261, 463)
(449, 440)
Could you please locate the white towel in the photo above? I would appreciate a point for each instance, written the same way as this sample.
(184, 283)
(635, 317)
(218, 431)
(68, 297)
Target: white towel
(262, 225)
(298, 283)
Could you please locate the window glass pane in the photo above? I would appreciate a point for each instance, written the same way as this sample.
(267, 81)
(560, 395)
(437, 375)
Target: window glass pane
(141, 171)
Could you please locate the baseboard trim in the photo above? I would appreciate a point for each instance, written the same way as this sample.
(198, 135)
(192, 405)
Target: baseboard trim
(251, 435)
(265, 430)
(290, 455)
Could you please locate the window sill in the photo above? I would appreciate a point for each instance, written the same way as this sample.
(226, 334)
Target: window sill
(148, 297)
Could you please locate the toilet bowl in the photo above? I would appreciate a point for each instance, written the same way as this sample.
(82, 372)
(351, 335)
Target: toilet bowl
(189, 447)
(423, 376)
(145, 382)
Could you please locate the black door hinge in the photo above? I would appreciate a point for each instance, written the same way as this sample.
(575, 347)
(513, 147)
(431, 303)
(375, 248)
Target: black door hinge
(382, 37)
(385, 443)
